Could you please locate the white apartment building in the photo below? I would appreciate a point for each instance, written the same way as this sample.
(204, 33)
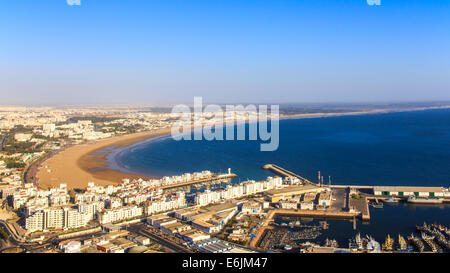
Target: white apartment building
(119, 214)
(165, 204)
(237, 191)
(56, 218)
(91, 208)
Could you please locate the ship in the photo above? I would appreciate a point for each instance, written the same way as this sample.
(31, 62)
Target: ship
(390, 200)
(444, 243)
(377, 205)
(438, 227)
(423, 228)
(425, 200)
(417, 243)
(291, 224)
(372, 245)
(420, 228)
(440, 237)
(331, 243)
(403, 245)
(352, 244)
(429, 241)
(324, 224)
(388, 244)
(358, 241)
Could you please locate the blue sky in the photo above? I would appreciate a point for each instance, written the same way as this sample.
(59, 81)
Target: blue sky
(167, 51)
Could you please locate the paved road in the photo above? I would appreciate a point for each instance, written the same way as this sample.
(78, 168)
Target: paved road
(3, 142)
(13, 236)
(340, 203)
(140, 229)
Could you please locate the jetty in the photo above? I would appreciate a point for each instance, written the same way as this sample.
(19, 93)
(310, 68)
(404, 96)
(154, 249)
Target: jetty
(285, 173)
(212, 178)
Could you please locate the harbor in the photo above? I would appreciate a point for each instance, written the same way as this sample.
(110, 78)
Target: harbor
(290, 234)
(347, 218)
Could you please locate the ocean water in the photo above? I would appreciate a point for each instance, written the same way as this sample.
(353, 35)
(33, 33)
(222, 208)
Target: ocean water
(399, 148)
(402, 148)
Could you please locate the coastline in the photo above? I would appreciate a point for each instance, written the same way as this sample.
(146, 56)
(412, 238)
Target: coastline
(79, 164)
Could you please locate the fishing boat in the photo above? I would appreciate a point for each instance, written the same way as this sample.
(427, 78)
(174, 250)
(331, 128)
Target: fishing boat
(390, 200)
(331, 243)
(372, 245)
(388, 244)
(419, 245)
(424, 227)
(429, 241)
(377, 205)
(403, 245)
(324, 224)
(425, 200)
(442, 241)
(359, 241)
(369, 246)
(287, 247)
(352, 244)
(439, 237)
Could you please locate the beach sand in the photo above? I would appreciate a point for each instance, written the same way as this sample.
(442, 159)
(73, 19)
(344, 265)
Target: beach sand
(78, 165)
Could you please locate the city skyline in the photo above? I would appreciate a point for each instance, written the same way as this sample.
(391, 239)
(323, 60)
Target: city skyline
(111, 52)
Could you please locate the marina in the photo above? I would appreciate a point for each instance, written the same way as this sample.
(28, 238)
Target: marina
(296, 236)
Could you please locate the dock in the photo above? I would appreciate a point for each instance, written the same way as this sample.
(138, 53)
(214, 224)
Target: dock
(216, 177)
(285, 173)
(306, 213)
(315, 213)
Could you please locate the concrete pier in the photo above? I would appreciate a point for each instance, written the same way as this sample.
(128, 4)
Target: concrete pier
(216, 177)
(285, 173)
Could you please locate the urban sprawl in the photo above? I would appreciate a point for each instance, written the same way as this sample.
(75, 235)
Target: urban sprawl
(193, 212)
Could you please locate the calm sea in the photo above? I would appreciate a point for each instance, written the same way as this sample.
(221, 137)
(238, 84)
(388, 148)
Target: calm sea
(401, 148)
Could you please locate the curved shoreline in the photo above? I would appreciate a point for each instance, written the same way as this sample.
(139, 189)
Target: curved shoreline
(122, 168)
(79, 164)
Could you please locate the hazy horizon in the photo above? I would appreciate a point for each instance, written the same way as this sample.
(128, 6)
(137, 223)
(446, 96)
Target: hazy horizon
(166, 52)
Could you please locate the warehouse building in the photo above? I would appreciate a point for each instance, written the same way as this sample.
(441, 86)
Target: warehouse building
(411, 191)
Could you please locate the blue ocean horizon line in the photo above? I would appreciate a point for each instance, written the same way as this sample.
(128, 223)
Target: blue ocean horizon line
(387, 149)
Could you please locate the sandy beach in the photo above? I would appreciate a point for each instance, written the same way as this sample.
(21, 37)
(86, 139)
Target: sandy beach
(77, 165)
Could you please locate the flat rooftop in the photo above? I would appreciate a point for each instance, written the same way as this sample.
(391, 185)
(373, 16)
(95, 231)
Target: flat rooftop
(218, 208)
(408, 189)
(294, 190)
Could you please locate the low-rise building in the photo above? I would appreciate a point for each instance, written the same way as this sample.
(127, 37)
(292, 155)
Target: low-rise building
(70, 246)
(307, 205)
(288, 204)
(405, 191)
(193, 235)
(325, 198)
